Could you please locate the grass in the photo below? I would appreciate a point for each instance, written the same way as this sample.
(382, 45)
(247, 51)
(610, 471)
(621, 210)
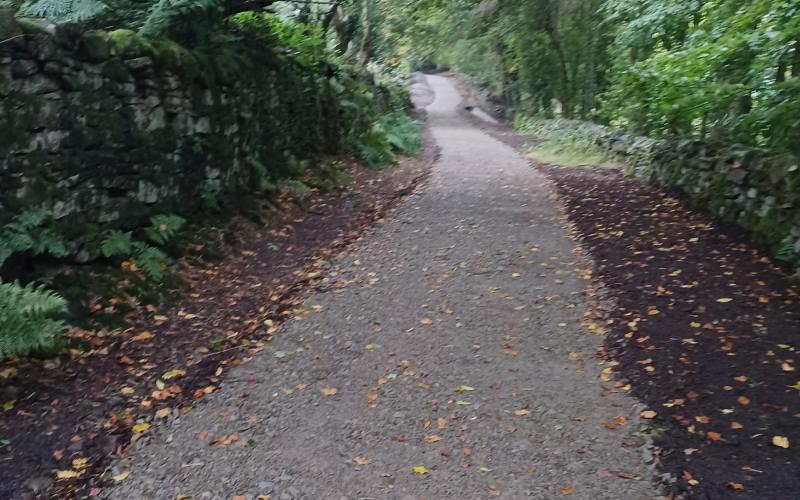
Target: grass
(560, 148)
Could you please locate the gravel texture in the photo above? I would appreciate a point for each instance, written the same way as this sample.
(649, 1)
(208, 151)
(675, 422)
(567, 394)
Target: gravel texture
(454, 341)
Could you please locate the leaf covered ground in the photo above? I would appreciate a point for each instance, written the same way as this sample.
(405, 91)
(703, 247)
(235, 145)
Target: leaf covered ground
(705, 331)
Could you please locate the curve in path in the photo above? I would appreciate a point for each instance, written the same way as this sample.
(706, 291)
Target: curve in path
(453, 339)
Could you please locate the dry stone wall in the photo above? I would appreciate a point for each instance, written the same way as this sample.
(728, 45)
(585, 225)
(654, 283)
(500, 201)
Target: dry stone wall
(108, 128)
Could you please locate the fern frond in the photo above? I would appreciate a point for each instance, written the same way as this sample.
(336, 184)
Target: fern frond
(116, 243)
(29, 318)
(150, 259)
(66, 10)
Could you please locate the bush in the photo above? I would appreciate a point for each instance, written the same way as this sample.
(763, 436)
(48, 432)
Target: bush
(394, 132)
(29, 318)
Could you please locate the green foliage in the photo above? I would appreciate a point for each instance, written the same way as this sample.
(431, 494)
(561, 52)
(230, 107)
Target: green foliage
(150, 259)
(66, 10)
(30, 231)
(402, 132)
(305, 43)
(29, 318)
(164, 227)
(116, 243)
(393, 132)
(374, 147)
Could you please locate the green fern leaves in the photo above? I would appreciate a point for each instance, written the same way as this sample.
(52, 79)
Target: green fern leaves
(29, 318)
(150, 259)
(28, 232)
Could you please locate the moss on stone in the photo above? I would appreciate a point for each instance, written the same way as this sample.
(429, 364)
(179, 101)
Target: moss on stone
(127, 44)
(32, 26)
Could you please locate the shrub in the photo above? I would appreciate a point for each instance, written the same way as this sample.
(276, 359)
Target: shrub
(29, 318)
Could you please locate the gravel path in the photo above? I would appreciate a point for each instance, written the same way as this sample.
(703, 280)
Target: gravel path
(452, 342)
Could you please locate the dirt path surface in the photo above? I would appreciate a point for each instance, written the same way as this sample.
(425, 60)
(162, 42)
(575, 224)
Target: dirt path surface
(446, 359)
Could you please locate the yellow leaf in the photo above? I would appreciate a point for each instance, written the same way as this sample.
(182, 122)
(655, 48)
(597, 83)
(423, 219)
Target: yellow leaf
(484, 470)
(724, 300)
(369, 347)
(653, 312)
(80, 463)
(464, 388)
(329, 391)
(121, 476)
(433, 438)
(780, 441)
(419, 469)
(67, 474)
(173, 374)
(787, 367)
(362, 461)
(796, 385)
(521, 413)
(127, 391)
(139, 428)
(648, 414)
(425, 321)
(695, 324)
(144, 336)
(8, 372)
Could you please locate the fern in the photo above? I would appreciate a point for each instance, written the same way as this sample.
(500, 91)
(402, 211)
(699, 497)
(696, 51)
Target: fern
(66, 10)
(166, 15)
(150, 259)
(374, 147)
(164, 227)
(29, 318)
(28, 232)
(402, 132)
(116, 243)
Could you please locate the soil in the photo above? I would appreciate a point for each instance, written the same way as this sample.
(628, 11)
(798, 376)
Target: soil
(84, 404)
(705, 331)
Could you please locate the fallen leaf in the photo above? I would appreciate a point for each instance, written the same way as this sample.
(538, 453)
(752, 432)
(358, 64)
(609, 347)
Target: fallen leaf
(121, 476)
(724, 300)
(425, 321)
(736, 486)
(174, 374)
(714, 436)
(144, 336)
(8, 372)
(780, 441)
(648, 414)
(362, 461)
(521, 413)
(127, 391)
(419, 469)
(433, 438)
(80, 463)
(743, 400)
(140, 428)
(567, 490)
(329, 391)
(67, 474)
(464, 388)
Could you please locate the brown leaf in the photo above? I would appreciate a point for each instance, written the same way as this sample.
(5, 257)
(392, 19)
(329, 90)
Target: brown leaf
(567, 490)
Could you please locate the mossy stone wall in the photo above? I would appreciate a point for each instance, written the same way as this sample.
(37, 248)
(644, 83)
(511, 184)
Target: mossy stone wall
(753, 188)
(109, 128)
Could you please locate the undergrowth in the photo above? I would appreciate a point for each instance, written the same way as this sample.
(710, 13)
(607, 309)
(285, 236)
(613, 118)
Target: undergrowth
(561, 148)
